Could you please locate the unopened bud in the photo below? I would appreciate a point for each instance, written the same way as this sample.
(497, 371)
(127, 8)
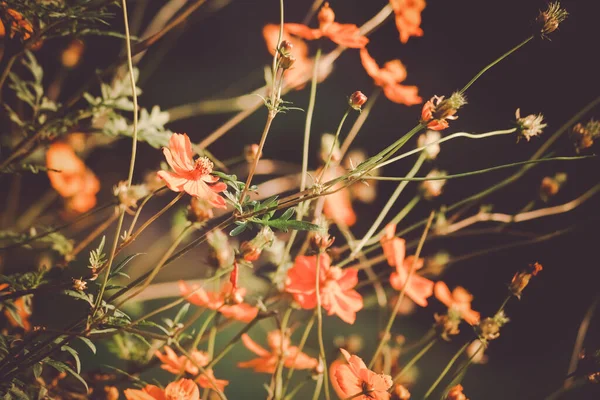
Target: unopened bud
(357, 100)
(285, 47)
(79, 284)
(521, 279)
(584, 135)
(287, 61)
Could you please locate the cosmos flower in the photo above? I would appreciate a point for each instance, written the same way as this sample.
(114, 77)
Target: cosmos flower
(335, 285)
(347, 35)
(267, 360)
(389, 78)
(183, 389)
(353, 378)
(408, 17)
(419, 289)
(458, 300)
(189, 175)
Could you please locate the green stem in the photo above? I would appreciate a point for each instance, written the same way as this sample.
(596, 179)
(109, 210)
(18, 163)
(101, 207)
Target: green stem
(277, 376)
(446, 370)
(360, 121)
(390, 322)
(320, 325)
(502, 57)
(414, 360)
(335, 140)
(303, 340)
(200, 333)
(386, 209)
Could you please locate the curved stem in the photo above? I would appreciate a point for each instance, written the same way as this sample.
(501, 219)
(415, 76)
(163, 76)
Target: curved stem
(303, 340)
(446, 370)
(415, 359)
(335, 140)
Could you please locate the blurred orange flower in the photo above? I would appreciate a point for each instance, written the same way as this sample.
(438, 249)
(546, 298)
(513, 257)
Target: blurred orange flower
(183, 389)
(337, 206)
(456, 393)
(228, 301)
(267, 360)
(419, 289)
(18, 24)
(335, 284)
(408, 17)
(458, 300)
(22, 308)
(347, 35)
(179, 364)
(355, 380)
(389, 78)
(71, 178)
(193, 177)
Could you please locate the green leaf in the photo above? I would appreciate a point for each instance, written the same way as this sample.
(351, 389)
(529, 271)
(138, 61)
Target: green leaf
(75, 355)
(37, 369)
(287, 214)
(62, 367)
(123, 263)
(89, 343)
(239, 229)
(181, 313)
(284, 226)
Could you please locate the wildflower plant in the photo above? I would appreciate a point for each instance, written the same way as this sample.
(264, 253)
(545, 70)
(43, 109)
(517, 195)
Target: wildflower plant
(274, 259)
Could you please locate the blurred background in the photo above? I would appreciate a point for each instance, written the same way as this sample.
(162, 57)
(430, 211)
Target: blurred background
(222, 54)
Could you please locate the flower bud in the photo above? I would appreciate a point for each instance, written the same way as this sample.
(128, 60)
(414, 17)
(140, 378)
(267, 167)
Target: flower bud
(357, 100)
(549, 20)
(79, 284)
(551, 185)
(400, 393)
(286, 61)
(456, 393)
(249, 251)
(285, 48)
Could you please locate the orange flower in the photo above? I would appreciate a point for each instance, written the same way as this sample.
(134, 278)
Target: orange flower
(389, 78)
(18, 24)
(183, 389)
(267, 361)
(193, 177)
(458, 300)
(338, 205)
(227, 301)
(353, 378)
(419, 289)
(408, 17)
(456, 393)
(23, 310)
(177, 365)
(347, 35)
(71, 178)
(335, 284)
(437, 111)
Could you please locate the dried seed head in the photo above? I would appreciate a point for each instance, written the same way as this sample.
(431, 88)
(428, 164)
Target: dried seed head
(357, 100)
(521, 279)
(529, 126)
(551, 185)
(437, 111)
(549, 20)
(584, 135)
(79, 284)
(446, 325)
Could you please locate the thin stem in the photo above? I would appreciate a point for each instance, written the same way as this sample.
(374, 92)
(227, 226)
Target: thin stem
(277, 376)
(581, 334)
(502, 57)
(132, 159)
(202, 370)
(386, 209)
(309, 115)
(92, 236)
(445, 139)
(477, 172)
(261, 145)
(413, 267)
(318, 387)
(139, 210)
(415, 359)
(446, 370)
(335, 140)
(200, 333)
(158, 266)
(320, 324)
(303, 340)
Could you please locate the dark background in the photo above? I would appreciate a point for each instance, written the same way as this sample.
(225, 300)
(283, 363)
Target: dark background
(223, 55)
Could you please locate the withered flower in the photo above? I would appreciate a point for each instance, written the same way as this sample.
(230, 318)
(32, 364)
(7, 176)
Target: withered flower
(584, 135)
(551, 185)
(529, 126)
(437, 111)
(521, 279)
(549, 20)
(489, 328)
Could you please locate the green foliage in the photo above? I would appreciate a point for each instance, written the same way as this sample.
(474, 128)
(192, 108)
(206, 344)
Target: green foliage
(129, 346)
(97, 256)
(24, 280)
(116, 98)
